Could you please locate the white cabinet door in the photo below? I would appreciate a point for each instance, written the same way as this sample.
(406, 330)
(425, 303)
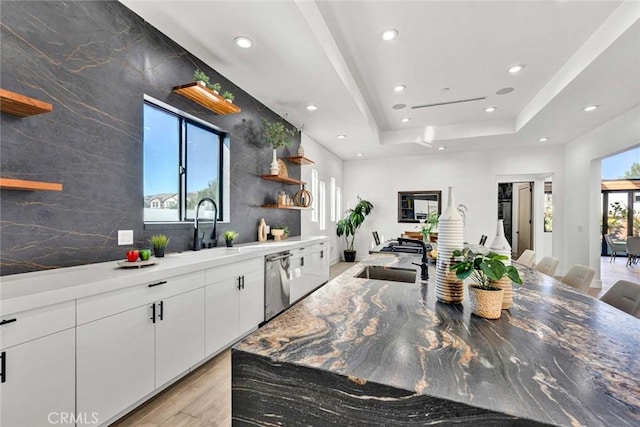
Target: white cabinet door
(251, 302)
(115, 362)
(221, 314)
(39, 381)
(179, 334)
(297, 278)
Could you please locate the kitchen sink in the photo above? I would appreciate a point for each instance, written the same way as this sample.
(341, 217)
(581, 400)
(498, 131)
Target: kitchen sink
(393, 274)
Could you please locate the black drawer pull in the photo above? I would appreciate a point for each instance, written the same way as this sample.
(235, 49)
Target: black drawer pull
(153, 312)
(162, 282)
(5, 321)
(3, 367)
(161, 310)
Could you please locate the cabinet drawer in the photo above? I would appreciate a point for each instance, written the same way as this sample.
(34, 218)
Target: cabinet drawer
(229, 271)
(32, 324)
(103, 305)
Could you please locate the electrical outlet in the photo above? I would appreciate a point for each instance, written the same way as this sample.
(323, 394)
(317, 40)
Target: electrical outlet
(125, 237)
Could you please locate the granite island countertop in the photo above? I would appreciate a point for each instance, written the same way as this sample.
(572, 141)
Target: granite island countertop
(364, 352)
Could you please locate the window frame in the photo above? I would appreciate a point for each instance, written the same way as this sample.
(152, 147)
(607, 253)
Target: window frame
(224, 162)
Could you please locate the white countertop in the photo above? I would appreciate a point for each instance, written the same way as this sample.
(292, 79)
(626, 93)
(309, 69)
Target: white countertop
(26, 291)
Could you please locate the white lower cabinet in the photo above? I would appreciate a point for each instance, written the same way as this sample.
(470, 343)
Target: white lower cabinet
(37, 381)
(309, 269)
(234, 302)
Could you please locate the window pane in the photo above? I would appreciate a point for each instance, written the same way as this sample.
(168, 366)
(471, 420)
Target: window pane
(322, 207)
(203, 161)
(617, 216)
(161, 161)
(338, 203)
(314, 193)
(333, 198)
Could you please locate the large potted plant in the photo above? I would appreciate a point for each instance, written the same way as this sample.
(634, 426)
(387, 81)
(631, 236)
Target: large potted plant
(277, 135)
(348, 226)
(484, 297)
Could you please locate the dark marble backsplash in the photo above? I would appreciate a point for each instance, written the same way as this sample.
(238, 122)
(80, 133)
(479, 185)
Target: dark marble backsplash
(94, 61)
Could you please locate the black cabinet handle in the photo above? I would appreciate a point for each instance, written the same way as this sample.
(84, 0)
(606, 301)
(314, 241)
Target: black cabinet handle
(239, 282)
(242, 282)
(321, 254)
(302, 262)
(5, 321)
(162, 282)
(3, 367)
(161, 310)
(153, 312)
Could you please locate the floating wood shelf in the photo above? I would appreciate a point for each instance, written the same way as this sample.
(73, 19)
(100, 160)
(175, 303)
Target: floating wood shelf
(298, 208)
(21, 184)
(282, 179)
(22, 106)
(200, 94)
(301, 160)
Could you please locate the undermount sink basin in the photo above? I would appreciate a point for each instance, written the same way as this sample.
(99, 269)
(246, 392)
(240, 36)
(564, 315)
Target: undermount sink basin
(393, 274)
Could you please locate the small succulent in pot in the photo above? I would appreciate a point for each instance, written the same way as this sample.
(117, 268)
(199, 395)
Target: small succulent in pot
(229, 237)
(278, 232)
(159, 243)
(200, 76)
(228, 96)
(215, 87)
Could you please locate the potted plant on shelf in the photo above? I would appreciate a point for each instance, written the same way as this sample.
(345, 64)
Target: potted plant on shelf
(228, 96)
(484, 297)
(159, 243)
(200, 76)
(216, 87)
(276, 135)
(229, 237)
(278, 231)
(348, 226)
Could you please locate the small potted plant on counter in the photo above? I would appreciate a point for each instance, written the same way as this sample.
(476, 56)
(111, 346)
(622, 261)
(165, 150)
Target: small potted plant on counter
(159, 243)
(485, 299)
(348, 226)
(277, 231)
(229, 237)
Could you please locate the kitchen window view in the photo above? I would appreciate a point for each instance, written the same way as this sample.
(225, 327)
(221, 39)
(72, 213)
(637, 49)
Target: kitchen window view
(182, 164)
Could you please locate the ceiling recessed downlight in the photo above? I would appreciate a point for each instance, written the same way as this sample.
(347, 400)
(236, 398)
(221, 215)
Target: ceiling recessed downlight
(311, 107)
(490, 109)
(243, 42)
(543, 139)
(590, 108)
(399, 88)
(359, 154)
(406, 120)
(390, 34)
(399, 106)
(441, 148)
(504, 91)
(341, 136)
(516, 68)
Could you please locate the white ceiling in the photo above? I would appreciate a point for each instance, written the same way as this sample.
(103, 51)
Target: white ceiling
(330, 53)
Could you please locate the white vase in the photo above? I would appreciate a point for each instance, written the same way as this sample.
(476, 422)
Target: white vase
(274, 164)
(500, 245)
(449, 289)
(300, 150)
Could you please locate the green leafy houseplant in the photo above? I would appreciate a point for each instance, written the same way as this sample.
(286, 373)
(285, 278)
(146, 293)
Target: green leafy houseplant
(159, 243)
(348, 226)
(215, 87)
(228, 95)
(200, 76)
(230, 235)
(483, 268)
(276, 134)
(430, 224)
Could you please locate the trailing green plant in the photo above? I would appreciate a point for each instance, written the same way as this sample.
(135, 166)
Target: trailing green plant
(200, 76)
(483, 268)
(215, 86)
(228, 95)
(348, 226)
(230, 235)
(159, 241)
(276, 134)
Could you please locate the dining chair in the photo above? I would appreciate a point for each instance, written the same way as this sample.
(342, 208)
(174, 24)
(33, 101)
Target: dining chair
(547, 265)
(614, 247)
(528, 258)
(625, 296)
(633, 249)
(579, 276)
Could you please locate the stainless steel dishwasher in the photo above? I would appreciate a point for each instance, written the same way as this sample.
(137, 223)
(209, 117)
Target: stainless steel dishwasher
(276, 283)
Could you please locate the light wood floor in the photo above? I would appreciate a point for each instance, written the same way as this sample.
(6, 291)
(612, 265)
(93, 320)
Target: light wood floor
(203, 398)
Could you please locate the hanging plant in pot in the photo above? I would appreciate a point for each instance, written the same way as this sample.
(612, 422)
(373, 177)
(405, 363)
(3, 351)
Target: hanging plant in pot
(276, 135)
(484, 297)
(348, 226)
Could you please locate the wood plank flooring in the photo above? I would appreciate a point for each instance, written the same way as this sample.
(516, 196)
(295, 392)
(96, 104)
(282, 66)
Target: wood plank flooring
(203, 398)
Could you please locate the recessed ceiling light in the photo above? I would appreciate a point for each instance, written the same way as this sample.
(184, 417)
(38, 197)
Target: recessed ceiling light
(359, 154)
(445, 89)
(543, 139)
(399, 88)
(490, 109)
(243, 42)
(390, 34)
(441, 148)
(406, 119)
(341, 136)
(311, 107)
(590, 108)
(399, 106)
(504, 91)
(516, 68)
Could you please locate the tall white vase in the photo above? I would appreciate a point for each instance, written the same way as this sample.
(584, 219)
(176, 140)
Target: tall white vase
(500, 245)
(274, 164)
(449, 289)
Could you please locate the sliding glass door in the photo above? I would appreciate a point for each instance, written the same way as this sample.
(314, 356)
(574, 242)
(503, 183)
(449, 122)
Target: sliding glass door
(618, 221)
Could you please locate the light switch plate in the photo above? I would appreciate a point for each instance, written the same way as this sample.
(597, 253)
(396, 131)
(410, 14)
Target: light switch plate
(125, 237)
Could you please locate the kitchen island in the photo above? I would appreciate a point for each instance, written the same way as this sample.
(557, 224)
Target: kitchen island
(371, 352)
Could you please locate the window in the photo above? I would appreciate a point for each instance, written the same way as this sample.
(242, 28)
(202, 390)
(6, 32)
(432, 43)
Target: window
(333, 199)
(185, 159)
(322, 207)
(338, 203)
(314, 193)
(548, 208)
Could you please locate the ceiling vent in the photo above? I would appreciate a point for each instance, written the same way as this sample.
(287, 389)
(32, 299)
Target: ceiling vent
(450, 102)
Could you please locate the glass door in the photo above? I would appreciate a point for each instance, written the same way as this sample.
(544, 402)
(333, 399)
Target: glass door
(618, 221)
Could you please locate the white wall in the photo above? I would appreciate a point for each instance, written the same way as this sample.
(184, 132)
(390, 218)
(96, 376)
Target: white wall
(582, 183)
(328, 165)
(474, 176)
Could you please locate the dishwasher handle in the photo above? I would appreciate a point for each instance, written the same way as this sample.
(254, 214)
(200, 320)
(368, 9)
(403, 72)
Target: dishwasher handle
(278, 257)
